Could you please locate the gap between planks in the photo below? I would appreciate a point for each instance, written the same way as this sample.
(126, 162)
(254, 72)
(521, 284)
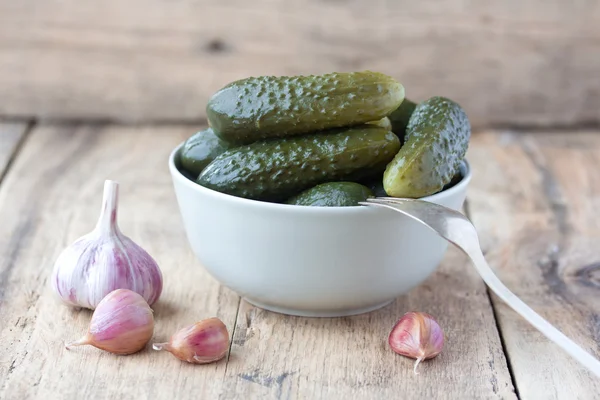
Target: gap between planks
(13, 134)
(467, 212)
(237, 313)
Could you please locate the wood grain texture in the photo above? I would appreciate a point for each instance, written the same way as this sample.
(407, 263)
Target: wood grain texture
(506, 62)
(11, 134)
(45, 205)
(50, 197)
(535, 199)
(281, 357)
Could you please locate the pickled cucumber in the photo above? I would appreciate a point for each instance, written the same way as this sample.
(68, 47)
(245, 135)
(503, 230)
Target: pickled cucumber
(276, 169)
(332, 194)
(437, 138)
(200, 149)
(264, 107)
(399, 118)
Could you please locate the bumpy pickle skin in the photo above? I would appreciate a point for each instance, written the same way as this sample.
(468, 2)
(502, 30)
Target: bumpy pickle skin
(265, 107)
(332, 194)
(437, 138)
(274, 170)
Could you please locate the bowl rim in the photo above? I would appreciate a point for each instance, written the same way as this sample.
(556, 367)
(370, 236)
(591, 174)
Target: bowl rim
(181, 179)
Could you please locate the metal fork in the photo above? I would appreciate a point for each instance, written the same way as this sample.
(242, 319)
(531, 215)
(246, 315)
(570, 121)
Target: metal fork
(458, 230)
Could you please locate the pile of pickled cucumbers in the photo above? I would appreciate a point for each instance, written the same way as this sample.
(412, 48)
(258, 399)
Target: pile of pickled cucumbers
(326, 140)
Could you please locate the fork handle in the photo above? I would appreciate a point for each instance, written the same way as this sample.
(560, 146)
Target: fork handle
(572, 348)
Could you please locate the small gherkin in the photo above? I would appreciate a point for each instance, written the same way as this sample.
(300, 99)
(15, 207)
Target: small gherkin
(200, 149)
(265, 107)
(332, 194)
(437, 138)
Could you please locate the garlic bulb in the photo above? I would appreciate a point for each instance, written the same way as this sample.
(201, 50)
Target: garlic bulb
(417, 335)
(202, 343)
(121, 324)
(105, 260)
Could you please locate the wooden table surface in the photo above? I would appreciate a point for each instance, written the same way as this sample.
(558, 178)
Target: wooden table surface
(534, 199)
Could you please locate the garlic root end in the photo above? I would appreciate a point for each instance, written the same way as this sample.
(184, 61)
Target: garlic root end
(80, 342)
(161, 346)
(416, 365)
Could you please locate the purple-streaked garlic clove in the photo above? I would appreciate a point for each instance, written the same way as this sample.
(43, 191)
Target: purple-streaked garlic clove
(121, 324)
(202, 343)
(417, 335)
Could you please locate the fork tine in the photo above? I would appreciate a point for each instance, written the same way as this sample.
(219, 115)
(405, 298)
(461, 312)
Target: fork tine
(389, 199)
(413, 207)
(383, 200)
(397, 206)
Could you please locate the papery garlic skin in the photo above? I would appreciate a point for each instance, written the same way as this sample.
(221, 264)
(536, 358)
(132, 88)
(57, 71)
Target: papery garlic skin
(122, 323)
(417, 335)
(105, 260)
(204, 342)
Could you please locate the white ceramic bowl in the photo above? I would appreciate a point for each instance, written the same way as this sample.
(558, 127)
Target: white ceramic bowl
(310, 261)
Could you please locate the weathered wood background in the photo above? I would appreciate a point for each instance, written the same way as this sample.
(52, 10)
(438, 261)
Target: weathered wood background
(508, 62)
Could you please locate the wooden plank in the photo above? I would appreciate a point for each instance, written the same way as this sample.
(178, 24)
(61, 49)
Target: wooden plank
(50, 197)
(534, 200)
(507, 62)
(282, 357)
(11, 134)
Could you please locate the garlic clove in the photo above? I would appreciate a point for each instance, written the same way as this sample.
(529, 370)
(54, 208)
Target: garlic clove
(105, 260)
(204, 342)
(121, 324)
(417, 335)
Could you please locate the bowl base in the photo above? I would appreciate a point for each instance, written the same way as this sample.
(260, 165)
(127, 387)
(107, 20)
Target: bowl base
(317, 313)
